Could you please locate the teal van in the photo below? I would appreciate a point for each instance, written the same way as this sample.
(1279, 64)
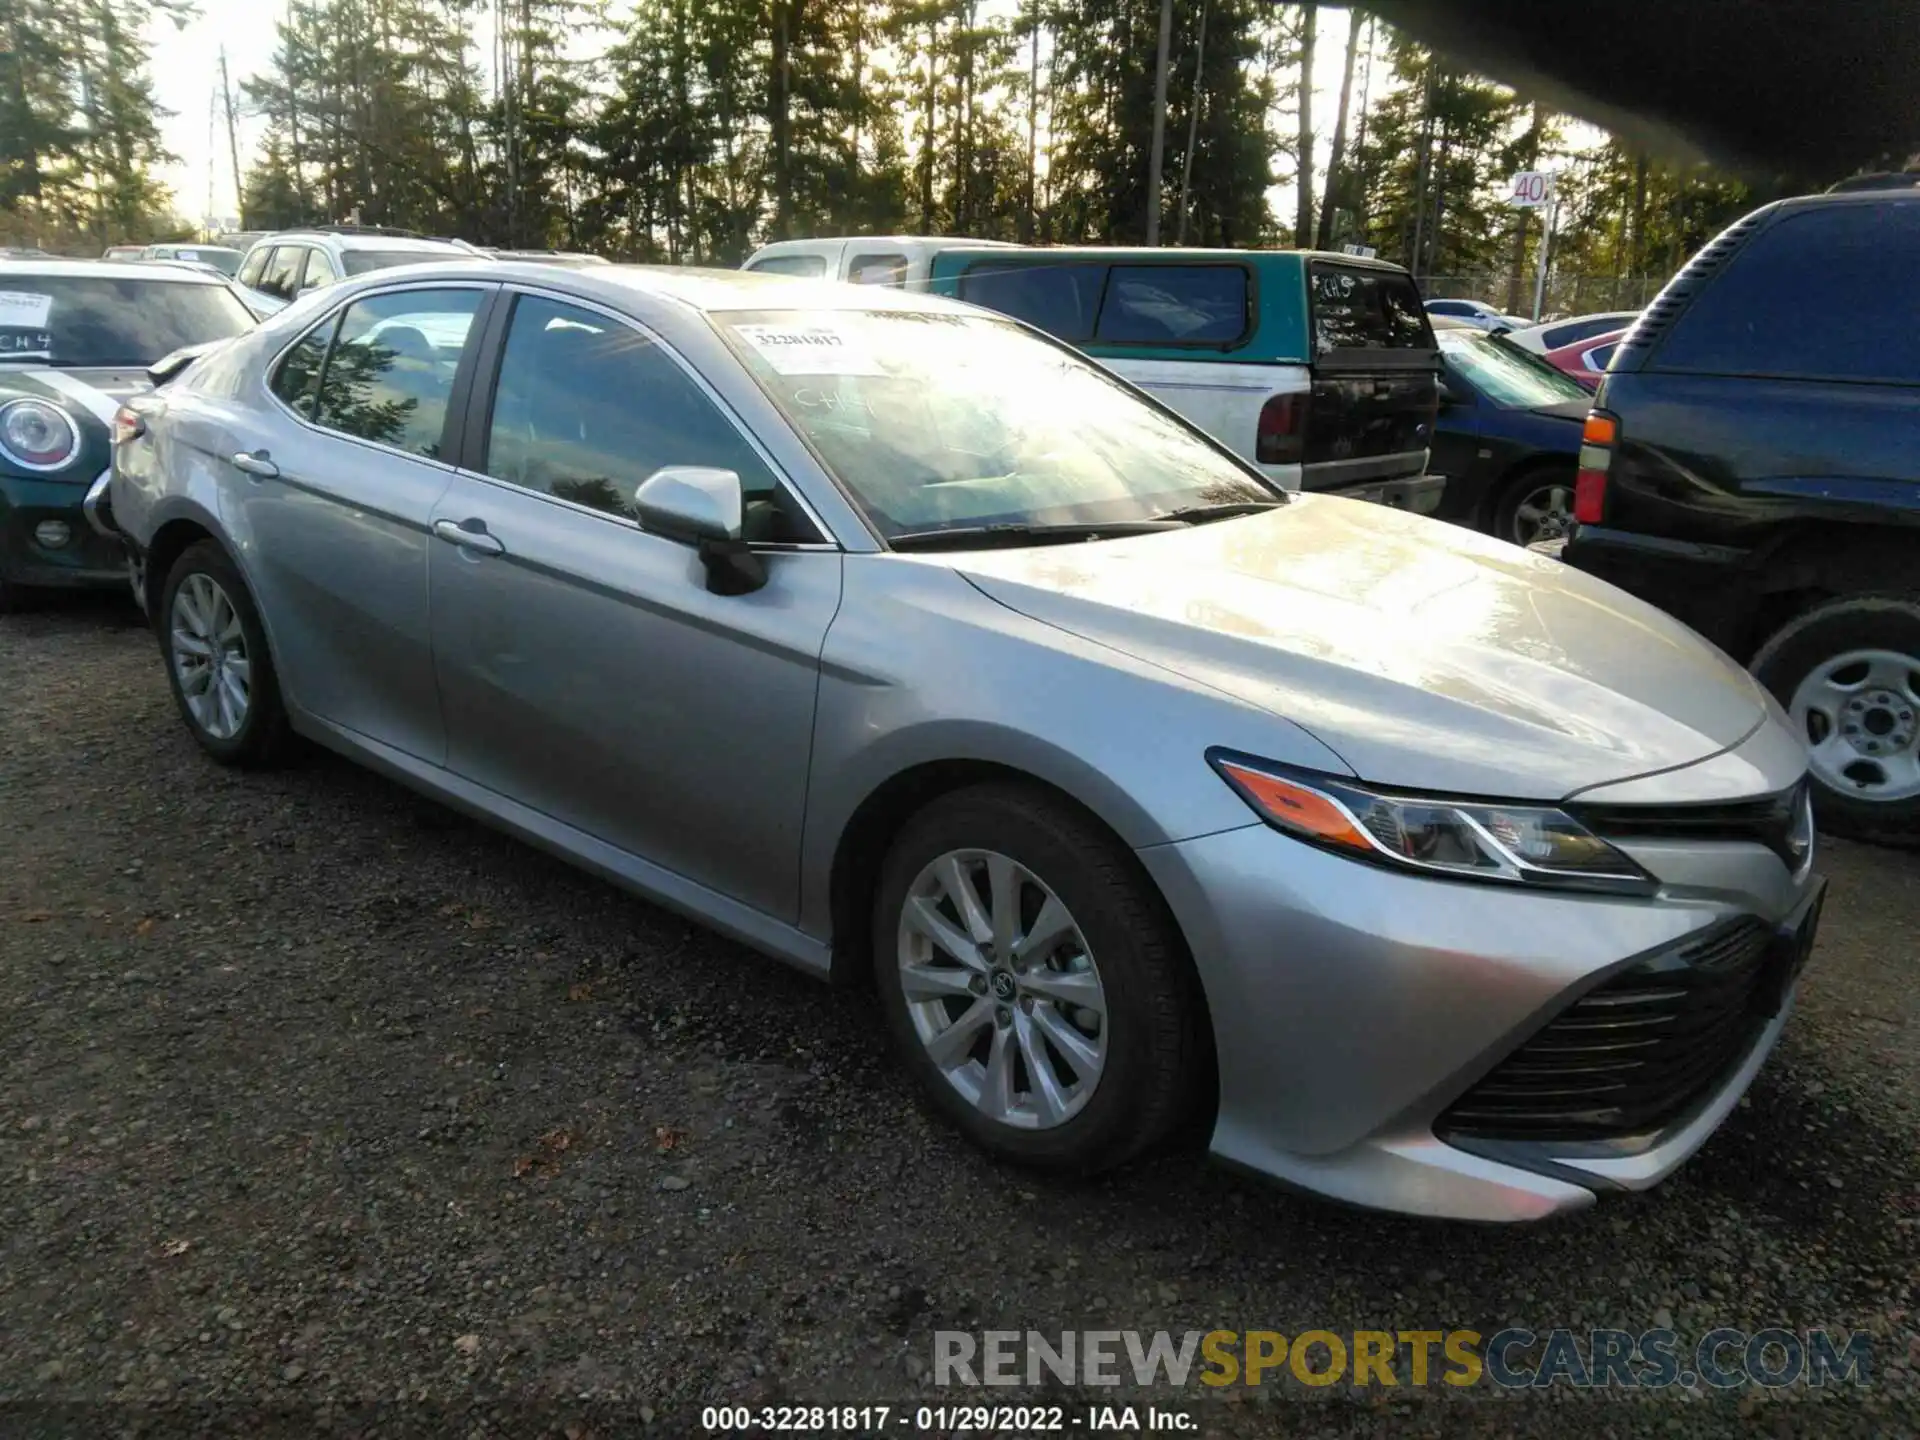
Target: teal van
(1321, 369)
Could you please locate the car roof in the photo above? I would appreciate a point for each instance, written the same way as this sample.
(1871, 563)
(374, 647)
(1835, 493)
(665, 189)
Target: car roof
(361, 240)
(13, 269)
(692, 287)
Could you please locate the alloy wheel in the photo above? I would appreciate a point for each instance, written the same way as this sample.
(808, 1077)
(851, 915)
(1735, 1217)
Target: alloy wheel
(1544, 513)
(209, 652)
(1002, 989)
(1860, 714)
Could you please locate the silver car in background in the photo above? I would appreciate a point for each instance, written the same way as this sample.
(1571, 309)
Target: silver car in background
(902, 643)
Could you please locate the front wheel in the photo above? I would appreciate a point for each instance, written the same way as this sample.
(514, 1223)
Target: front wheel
(1033, 982)
(1848, 673)
(217, 662)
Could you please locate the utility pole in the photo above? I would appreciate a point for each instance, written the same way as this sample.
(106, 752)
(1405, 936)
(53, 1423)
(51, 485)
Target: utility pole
(233, 145)
(1154, 161)
(1193, 126)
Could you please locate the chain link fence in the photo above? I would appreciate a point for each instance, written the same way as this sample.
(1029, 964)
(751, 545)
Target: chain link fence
(1566, 294)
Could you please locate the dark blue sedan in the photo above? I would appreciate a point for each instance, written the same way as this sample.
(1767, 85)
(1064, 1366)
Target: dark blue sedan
(1507, 437)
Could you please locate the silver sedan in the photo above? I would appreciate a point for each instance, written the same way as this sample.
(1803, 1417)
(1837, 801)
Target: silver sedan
(912, 648)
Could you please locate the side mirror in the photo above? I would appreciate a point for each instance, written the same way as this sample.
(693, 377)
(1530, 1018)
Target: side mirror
(1450, 396)
(703, 507)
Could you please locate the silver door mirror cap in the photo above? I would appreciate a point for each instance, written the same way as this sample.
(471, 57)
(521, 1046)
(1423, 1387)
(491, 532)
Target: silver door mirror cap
(691, 503)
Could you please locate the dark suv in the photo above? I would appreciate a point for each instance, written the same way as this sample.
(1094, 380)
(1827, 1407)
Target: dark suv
(1752, 464)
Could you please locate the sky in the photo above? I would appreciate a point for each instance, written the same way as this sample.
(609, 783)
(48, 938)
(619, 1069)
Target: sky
(186, 71)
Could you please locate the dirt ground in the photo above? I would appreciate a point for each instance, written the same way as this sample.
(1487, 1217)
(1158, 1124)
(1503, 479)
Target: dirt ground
(326, 1110)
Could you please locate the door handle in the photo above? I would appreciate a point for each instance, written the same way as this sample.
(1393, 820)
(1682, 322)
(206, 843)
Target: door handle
(469, 535)
(256, 463)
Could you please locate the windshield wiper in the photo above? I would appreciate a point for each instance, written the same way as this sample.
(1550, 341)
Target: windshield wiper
(981, 537)
(1200, 514)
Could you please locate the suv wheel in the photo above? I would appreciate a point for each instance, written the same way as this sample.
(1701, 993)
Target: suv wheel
(1848, 672)
(1033, 983)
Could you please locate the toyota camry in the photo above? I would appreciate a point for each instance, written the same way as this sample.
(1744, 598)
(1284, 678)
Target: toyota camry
(908, 646)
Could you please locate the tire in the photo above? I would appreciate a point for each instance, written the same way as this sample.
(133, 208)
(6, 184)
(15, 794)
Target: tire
(1151, 1029)
(1810, 666)
(261, 737)
(1518, 490)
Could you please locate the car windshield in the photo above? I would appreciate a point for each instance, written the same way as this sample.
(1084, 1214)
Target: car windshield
(94, 321)
(1505, 373)
(936, 422)
(359, 262)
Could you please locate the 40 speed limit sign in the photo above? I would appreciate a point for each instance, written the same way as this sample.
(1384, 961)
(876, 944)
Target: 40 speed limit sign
(1531, 189)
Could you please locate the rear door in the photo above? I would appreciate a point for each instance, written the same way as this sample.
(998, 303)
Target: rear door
(1375, 385)
(329, 486)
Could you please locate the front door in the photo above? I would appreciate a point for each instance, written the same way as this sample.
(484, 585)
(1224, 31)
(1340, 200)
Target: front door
(586, 669)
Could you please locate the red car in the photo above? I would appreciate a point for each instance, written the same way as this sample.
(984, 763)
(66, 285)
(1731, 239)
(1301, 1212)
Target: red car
(1586, 360)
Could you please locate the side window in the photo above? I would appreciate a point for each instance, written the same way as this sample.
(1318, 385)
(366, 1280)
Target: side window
(1831, 293)
(810, 267)
(878, 270)
(297, 381)
(254, 267)
(1601, 358)
(284, 271)
(391, 370)
(320, 271)
(1061, 299)
(587, 408)
(1174, 304)
(1448, 307)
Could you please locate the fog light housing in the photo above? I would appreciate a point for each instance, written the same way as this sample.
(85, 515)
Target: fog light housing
(52, 534)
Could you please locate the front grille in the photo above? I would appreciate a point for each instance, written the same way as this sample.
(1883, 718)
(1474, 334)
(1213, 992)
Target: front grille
(1782, 822)
(1637, 1052)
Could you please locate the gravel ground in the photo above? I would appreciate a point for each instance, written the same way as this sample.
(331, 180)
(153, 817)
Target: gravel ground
(326, 1109)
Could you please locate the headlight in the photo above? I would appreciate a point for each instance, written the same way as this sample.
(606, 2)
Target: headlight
(1470, 839)
(37, 436)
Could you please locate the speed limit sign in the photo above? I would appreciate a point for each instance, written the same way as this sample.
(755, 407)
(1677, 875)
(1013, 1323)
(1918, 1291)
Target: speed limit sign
(1531, 189)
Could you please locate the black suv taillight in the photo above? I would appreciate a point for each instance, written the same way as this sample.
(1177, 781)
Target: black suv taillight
(1596, 457)
(1282, 438)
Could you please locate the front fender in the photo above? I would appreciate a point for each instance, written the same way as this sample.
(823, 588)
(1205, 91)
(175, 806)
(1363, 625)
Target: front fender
(920, 667)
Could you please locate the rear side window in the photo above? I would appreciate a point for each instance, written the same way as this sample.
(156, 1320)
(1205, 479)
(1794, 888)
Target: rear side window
(1061, 298)
(1558, 337)
(1831, 293)
(284, 273)
(297, 381)
(1365, 309)
(320, 271)
(391, 371)
(878, 270)
(1174, 305)
(810, 267)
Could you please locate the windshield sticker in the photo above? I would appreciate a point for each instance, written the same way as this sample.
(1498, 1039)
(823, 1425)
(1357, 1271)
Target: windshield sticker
(23, 326)
(810, 350)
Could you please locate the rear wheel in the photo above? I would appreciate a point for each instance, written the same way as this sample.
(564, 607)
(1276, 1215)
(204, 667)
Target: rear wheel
(217, 662)
(1033, 983)
(1848, 673)
(1536, 505)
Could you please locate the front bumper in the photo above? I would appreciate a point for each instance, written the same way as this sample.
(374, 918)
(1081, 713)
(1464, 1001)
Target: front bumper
(89, 558)
(1353, 1006)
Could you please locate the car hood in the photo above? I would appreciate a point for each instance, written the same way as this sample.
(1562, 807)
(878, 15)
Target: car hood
(1426, 655)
